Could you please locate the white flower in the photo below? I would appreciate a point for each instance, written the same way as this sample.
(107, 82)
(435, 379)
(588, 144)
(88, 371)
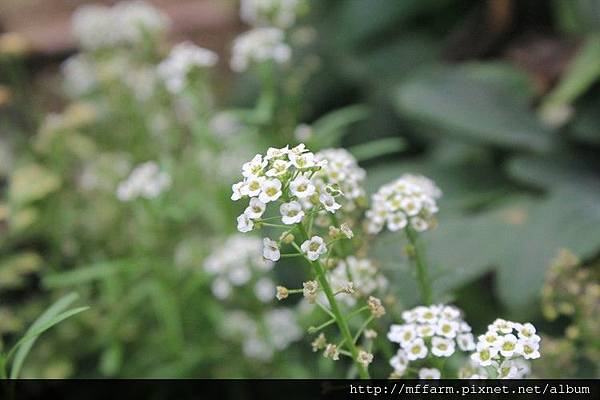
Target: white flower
(278, 168)
(491, 339)
(244, 223)
(302, 160)
(221, 288)
(329, 202)
(279, 13)
(181, 61)
(502, 326)
(345, 228)
(484, 355)
(527, 331)
(314, 247)
(396, 221)
(400, 361)
(271, 250)
(447, 328)
(409, 200)
(252, 186)
(302, 187)
(442, 347)
(264, 290)
(236, 190)
(270, 190)
(426, 330)
(146, 181)
(528, 348)
(256, 208)
(254, 167)
(508, 370)
(257, 46)
(416, 349)
(508, 345)
(403, 334)
(429, 373)
(291, 213)
(466, 342)
(273, 152)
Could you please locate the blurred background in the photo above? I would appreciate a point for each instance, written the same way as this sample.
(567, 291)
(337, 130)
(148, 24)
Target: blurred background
(497, 101)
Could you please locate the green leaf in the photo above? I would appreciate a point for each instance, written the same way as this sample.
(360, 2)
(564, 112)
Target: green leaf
(377, 148)
(329, 128)
(84, 274)
(477, 102)
(52, 316)
(581, 74)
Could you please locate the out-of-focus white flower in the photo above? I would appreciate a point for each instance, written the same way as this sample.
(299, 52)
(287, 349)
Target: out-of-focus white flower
(409, 200)
(264, 290)
(126, 23)
(314, 247)
(146, 180)
(429, 373)
(366, 278)
(399, 362)
(341, 170)
(79, 74)
(183, 59)
(258, 46)
(279, 13)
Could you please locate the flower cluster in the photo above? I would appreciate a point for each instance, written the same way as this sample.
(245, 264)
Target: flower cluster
(361, 274)
(261, 338)
(504, 342)
(409, 200)
(184, 58)
(126, 23)
(342, 171)
(436, 330)
(146, 181)
(278, 13)
(258, 46)
(283, 174)
(232, 269)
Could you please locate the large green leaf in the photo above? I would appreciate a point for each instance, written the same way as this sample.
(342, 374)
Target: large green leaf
(477, 102)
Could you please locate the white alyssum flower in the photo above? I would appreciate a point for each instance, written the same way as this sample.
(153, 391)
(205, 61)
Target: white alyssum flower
(365, 358)
(255, 209)
(244, 223)
(429, 373)
(291, 213)
(270, 190)
(507, 345)
(328, 201)
(259, 45)
(183, 59)
(279, 13)
(399, 362)
(409, 200)
(79, 74)
(146, 181)
(271, 250)
(264, 290)
(442, 347)
(466, 341)
(341, 170)
(437, 330)
(302, 187)
(314, 247)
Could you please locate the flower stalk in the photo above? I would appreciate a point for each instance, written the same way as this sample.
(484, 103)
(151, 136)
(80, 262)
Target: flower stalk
(423, 279)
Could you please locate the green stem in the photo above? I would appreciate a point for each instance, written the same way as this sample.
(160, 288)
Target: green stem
(422, 272)
(339, 317)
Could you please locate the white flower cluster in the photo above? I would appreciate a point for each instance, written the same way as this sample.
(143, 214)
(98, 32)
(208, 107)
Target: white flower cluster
(341, 170)
(274, 331)
(184, 58)
(125, 23)
(503, 343)
(257, 46)
(279, 13)
(362, 273)
(437, 329)
(410, 199)
(235, 264)
(146, 181)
